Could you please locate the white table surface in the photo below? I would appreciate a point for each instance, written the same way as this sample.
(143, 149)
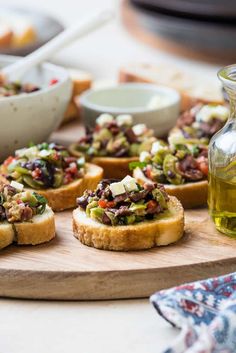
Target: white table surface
(90, 327)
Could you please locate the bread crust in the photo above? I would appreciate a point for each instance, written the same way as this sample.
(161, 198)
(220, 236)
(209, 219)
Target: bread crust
(187, 100)
(189, 194)
(113, 167)
(40, 230)
(65, 196)
(7, 234)
(167, 229)
(5, 39)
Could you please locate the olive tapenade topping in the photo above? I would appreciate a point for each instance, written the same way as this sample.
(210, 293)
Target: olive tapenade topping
(17, 205)
(174, 164)
(201, 122)
(124, 202)
(115, 137)
(45, 165)
(8, 89)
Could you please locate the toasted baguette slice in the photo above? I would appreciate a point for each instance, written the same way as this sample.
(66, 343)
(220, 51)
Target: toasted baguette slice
(71, 112)
(81, 82)
(65, 196)
(7, 234)
(5, 36)
(24, 37)
(167, 229)
(193, 87)
(40, 230)
(113, 168)
(190, 194)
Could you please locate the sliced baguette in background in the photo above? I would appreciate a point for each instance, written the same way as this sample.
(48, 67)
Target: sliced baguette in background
(192, 86)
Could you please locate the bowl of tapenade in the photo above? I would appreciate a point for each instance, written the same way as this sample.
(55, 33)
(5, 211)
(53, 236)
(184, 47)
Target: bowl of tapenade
(32, 108)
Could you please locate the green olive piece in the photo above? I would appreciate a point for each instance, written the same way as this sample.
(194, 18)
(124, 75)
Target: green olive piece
(170, 170)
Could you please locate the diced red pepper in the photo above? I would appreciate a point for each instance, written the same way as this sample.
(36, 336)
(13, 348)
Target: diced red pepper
(151, 204)
(9, 160)
(106, 204)
(36, 173)
(202, 164)
(53, 81)
(149, 172)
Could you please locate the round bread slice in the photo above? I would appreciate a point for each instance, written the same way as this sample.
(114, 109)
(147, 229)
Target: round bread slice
(113, 167)
(65, 196)
(40, 230)
(166, 229)
(191, 195)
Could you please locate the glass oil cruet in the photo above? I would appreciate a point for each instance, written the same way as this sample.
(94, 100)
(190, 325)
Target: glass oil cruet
(222, 163)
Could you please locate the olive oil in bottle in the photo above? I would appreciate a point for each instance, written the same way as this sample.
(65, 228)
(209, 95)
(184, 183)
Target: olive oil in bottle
(222, 163)
(222, 204)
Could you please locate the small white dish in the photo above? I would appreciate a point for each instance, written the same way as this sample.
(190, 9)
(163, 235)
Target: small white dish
(34, 116)
(156, 106)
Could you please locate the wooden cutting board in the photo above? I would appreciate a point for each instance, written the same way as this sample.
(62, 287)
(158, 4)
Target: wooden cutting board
(65, 269)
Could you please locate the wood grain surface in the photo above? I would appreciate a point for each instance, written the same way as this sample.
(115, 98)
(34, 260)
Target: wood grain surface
(65, 269)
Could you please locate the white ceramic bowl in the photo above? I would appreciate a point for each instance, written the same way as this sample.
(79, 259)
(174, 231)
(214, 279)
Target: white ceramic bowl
(34, 116)
(156, 106)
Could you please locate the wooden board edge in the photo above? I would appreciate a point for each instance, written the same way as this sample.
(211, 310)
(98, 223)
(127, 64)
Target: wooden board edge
(93, 285)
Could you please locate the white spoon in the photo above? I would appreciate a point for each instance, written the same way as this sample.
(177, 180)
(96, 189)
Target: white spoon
(15, 71)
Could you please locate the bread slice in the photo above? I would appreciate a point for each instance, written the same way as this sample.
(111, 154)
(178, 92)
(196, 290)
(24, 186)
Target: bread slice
(193, 86)
(40, 230)
(193, 194)
(23, 36)
(71, 112)
(113, 167)
(5, 36)
(82, 81)
(7, 234)
(166, 229)
(65, 196)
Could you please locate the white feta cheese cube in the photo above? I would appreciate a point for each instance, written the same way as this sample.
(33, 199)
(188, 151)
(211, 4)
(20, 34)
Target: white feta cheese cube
(139, 129)
(129, 183)
(104, 119)
(144, 156)
(17, 186)
(44, 153)
(124, 119)
(207, 112)
(30, 152)
(156, 146)
(117, 189)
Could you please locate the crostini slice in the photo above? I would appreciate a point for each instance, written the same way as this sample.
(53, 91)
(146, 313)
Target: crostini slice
(113, 144)
(111, 221)
(25, 218)
(181, 168)
(50, 170)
